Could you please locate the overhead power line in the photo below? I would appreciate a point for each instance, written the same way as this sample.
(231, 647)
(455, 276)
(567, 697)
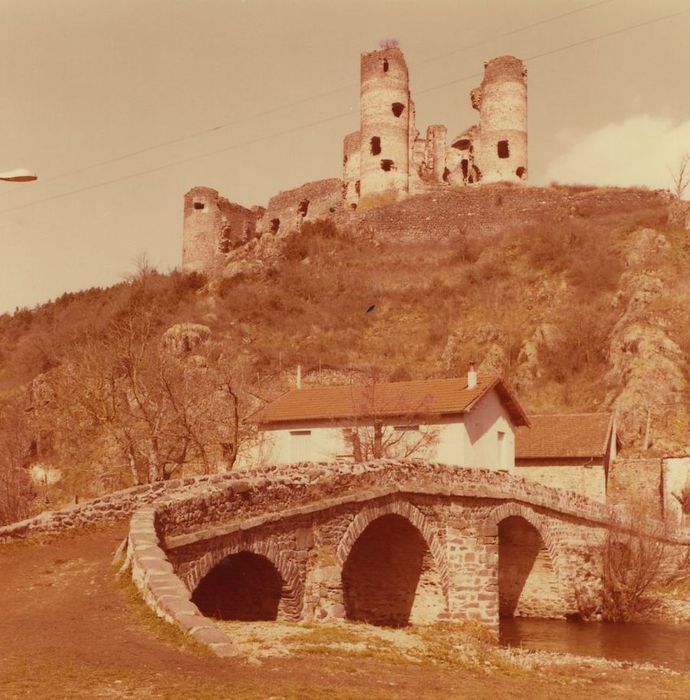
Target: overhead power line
(303, 100)
(339, 115)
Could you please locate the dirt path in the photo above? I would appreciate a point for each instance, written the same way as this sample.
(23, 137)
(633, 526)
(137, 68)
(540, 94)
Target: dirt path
(69, 630)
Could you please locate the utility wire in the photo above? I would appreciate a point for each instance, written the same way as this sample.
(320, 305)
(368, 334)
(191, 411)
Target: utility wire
(303, 100)
(517, 30)
(340, 115)
(567, 47)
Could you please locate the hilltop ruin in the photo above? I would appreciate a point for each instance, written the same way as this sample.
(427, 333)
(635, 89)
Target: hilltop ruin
(383, 162)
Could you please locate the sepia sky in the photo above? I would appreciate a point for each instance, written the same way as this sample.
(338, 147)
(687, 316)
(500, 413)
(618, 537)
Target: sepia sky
(121, 107)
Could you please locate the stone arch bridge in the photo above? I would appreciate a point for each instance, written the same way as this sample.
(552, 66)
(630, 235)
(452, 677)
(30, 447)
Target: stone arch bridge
(389, 542)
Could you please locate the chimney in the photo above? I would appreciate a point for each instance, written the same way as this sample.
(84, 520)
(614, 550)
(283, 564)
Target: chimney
(298, 381)
(471, 377)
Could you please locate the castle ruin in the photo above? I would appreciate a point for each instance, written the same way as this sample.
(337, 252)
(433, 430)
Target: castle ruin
(385, 161)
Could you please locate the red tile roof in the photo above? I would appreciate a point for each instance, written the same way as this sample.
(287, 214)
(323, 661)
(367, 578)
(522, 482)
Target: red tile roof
(422, 398)
(563, 435)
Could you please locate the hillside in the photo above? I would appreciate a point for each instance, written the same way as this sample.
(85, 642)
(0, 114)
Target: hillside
(578, 296)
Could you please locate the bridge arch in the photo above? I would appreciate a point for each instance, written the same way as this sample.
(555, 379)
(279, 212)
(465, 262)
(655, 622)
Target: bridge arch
(291, 592)
(530, 582)
(373, 511)
(392, 568)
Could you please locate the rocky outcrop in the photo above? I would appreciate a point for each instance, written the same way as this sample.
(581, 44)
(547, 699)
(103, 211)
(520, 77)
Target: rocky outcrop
(183, 338)
(646, 363)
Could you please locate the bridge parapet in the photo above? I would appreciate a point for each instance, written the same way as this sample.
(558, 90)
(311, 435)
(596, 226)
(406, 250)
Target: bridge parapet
(273, 489)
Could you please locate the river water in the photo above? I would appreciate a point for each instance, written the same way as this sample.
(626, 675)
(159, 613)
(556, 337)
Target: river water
(663, 645)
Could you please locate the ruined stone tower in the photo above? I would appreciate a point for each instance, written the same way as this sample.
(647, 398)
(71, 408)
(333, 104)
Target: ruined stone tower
(500, 152)
(387, 158)
(213, 226)
(385, 113)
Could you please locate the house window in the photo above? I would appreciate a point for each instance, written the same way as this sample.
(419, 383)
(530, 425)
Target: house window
(502, 450)
(503, 150)
(198, 205)
(300, 446)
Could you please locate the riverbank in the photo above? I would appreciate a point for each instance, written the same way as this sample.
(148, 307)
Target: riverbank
(466, 646)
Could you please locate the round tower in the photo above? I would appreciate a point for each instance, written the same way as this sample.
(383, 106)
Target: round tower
(201, 229)
(502, 103)
(384, 124)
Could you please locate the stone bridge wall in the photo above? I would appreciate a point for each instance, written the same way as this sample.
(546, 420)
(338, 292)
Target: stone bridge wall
(307, 520)
(101, 510)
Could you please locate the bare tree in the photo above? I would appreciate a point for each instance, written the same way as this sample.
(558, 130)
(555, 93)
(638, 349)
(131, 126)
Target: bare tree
(683, 498)
(126, 392)
(389, 422)
(637, 561)
(16, 492)
(389, 43)
(680, 175)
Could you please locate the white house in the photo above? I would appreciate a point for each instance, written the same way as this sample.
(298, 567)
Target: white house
(468, 422)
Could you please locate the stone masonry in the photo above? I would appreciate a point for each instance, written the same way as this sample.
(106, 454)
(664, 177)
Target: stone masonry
(389, 542)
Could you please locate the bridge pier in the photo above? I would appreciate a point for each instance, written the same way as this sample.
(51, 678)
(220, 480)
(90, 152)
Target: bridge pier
(472, 560)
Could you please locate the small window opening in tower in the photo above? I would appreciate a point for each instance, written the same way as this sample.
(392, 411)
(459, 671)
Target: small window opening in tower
(465, 166)
(503, 150)
(387, 164)
(199, 205)
(521, 172)
(357, 186)
(462, 144)
(446, 174)
(303, 207)
(375, 145)
(345, 160)
(397, 108)
(275, 225)
(385, 65)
